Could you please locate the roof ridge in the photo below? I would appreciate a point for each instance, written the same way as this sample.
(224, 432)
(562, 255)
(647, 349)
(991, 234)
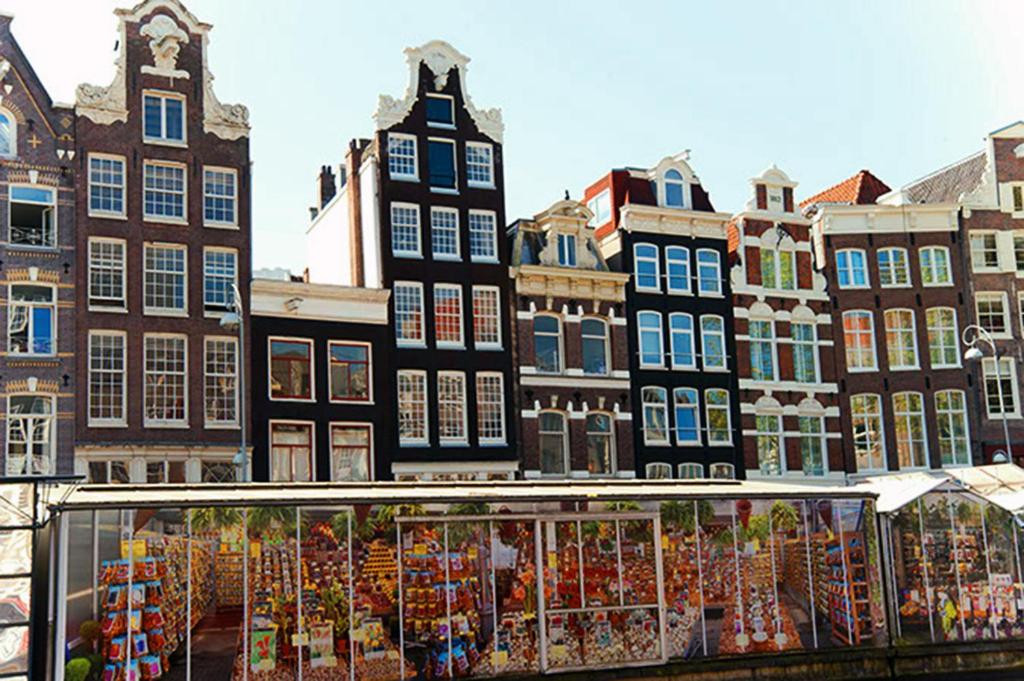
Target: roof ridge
(949, 166)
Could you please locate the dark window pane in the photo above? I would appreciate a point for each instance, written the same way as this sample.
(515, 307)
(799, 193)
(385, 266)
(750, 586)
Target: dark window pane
(441, 158)
(440, 110)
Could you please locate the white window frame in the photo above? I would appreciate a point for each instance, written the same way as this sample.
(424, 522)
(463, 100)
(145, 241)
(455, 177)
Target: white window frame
(773, 345)
(421, 378)
(369, 372)
(933, 268)
(52, 305)
(727, 407)
(906, 417)
(49, 440)
(717, 292)
(992, 296)
(704, 335)
(352, 425)
(877, 413)
(218, 310)
(956, 338)
(566, 446)
(494, 291)
(649, 470)
(664, 407)
(442, 213)
(696, 416)
(948, 415)
(12, 133)
(435, 124)
(613, 464)
(312, 447)
(214, 424)
(492, 238)
(418, 252)
(163, 139)
(166, 423)
(1007, 368)
(410, 342)
(270, 369)
(52, 205)
(972, 252)
(605, 339)
(684, 262)
(775, 256)
(640, 330)
(165, 219)
(566, 249)
(165, 311)
(449, 344)
(895, 350)
(796, 344)
(221, 224)
(455, 165)
(892, 269)
(820, 435)
(779, 435)
(689, 467)
(120, 302)
(489, 184)
(122, 188)
(400, 137)
(560, 339)
(95, 422)
(716, 470)
(503, 438)
(849, 269)
(849, 314)
(672, 341)
(600, 200)
(655, 259)
(459, 403)
(683, 185)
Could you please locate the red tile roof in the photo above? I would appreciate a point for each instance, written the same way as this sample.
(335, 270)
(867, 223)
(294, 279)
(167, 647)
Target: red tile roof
(860, 189)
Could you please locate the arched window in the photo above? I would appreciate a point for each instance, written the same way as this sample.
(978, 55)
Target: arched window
(658, 471)
(646, 275)
(691, 471)
(935, 269)
(30, 435)
(893, 267)
(547, 344)
(595, 346)
(687, 411)
(709, 272)
(600, 444)
(677, 267)
(650, 338)
(8, 138)
(911, 440)
(770, 453)
(681, 335)
(655, 410)
(868, 436)
(554, 443)
(812, 445)
(675, 189)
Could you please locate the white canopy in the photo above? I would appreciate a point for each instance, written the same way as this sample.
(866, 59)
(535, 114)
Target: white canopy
(999, 484)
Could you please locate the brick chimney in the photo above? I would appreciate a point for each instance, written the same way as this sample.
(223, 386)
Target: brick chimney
(326, 187)
(353, 159)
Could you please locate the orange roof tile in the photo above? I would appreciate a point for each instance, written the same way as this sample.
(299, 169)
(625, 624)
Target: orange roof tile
(862, 188)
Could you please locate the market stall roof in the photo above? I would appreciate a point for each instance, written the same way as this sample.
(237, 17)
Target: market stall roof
(313, 494)
(1000, 484)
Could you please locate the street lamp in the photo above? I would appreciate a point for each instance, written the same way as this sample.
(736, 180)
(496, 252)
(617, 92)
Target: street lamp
(972, 336)
(234, 320)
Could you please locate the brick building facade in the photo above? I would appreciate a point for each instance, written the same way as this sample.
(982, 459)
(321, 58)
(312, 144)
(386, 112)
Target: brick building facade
(788, 405)
(571, 349)
(37, 210)
(162, 174)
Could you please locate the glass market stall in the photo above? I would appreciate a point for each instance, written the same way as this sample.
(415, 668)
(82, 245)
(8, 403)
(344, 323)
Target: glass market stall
(952, 551)
(442, 580)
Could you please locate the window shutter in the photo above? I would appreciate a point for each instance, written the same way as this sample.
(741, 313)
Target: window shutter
(1004, 245)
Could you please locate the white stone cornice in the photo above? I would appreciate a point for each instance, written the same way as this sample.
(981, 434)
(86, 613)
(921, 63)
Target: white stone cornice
(659, 220)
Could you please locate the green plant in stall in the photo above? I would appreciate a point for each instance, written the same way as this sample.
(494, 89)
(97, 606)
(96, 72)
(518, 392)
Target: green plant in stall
(214, 518)
(623, 506)
(784, 517)
(90, 631)
(271, 521)
(77, 669)
(967, 513)
(469, 508)
(757, 528)
(335, 600)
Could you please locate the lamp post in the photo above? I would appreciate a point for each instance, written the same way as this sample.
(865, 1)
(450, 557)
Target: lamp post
(972, 336)
(233, 321)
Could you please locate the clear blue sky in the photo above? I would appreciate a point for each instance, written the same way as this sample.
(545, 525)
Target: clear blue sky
(820, 88)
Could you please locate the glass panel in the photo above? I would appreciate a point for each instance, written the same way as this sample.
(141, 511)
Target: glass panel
(15, 552)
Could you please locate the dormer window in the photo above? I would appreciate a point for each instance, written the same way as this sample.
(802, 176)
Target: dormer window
(675, 186)
(601, 207)
(567, 250)
(440, 111)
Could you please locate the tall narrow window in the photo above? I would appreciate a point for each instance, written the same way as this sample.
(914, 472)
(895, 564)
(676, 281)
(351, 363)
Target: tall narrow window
(32, 320)
(935, 269)
(805, 352)
(441, 163)
(812, 445)
(762, 350)
(165, 279)
(554, 443)
(901, 339)
(943, 339)
(448, 315)
(107, 378)
(911, 443)
(600, 444)
(893, 267)
(402, 163)
(166, 380)
(787, 270)
(412, 407)
(646, 276)
(351, 452)
(547, 344)
(220, 274)
(1000, 381)
(106, 185)
(594, 333)
(291, 369)
(220, 377)
(951, 417)
(709, 272)
(163, 194)
(106, 274)
(716, 413)
(405, 230)
(220, 197)
(408, 313)
(687, 413)
(451, 407)
(769, 267)
(31, 432)
(291, 452)
(350, 372)
(8, 146)
(479, 164)
(677, 267)
(868, 436)
(859, 340)
(490, 408)
(649, 329)
(444, 233)
(567, 250)
(33, 216)
(163, 117)
(486, 317)
(851, 268)
(769, 444)
(681, 335)
(482, 246)
(655, 414)
(675, 189)
(712, 341)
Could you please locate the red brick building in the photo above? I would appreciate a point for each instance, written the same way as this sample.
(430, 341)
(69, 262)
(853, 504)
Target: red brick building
(788, 393)
(571, 349)
(162, 170)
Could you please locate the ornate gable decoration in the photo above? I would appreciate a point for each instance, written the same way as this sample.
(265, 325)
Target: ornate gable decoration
(165, 43)
(440, 58)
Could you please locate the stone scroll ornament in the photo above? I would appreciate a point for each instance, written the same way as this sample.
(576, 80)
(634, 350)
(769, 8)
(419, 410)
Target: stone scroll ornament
(165, 38)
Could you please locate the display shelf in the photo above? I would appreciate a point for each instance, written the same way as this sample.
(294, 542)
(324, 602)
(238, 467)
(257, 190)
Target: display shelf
(848, 589)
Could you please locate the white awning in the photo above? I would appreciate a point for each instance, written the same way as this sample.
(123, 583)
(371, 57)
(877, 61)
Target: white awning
(999, 484)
